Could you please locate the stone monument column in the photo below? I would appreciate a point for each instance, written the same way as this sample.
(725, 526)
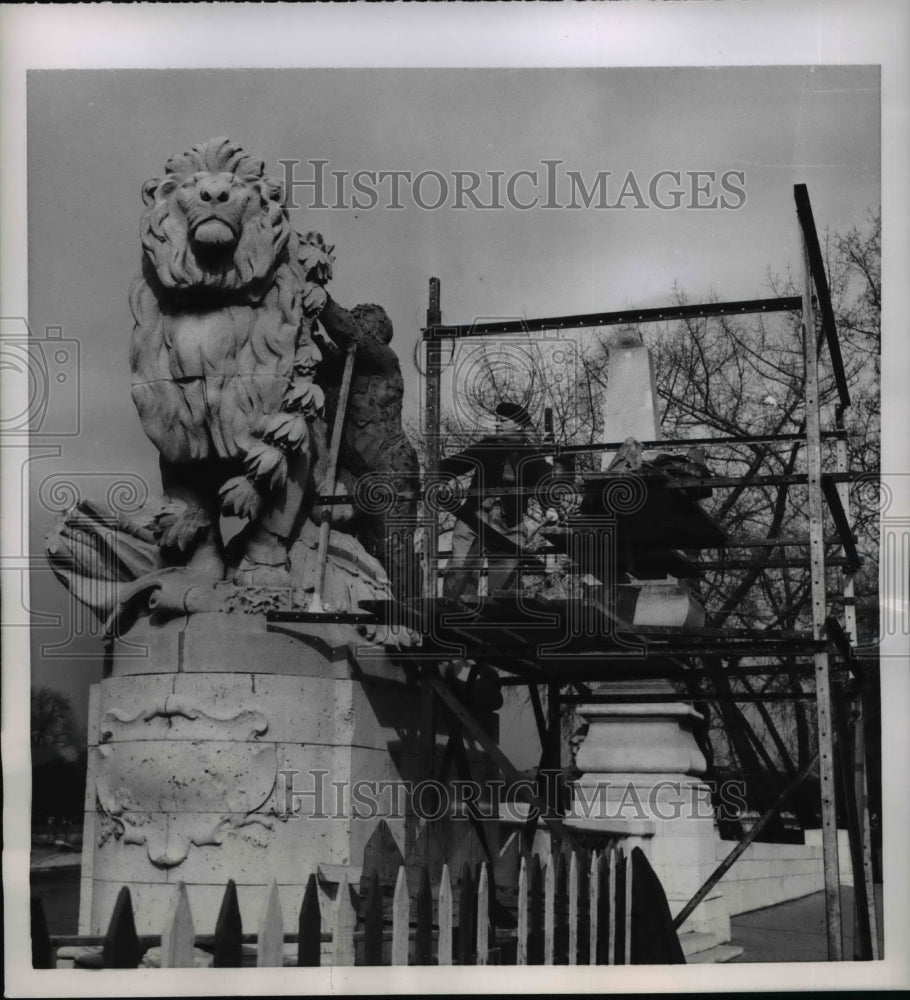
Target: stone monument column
(642, 770)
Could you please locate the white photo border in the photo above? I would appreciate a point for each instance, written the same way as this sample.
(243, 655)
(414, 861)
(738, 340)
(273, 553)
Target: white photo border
(454, 35)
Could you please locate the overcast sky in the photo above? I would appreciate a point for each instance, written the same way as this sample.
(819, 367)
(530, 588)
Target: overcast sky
(95, 136)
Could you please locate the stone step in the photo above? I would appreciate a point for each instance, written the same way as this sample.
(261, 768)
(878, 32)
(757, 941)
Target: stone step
(715, 956)
(693, 942)
(710, 917)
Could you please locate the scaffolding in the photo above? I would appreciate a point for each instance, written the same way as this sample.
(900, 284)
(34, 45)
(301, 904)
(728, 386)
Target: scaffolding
(566, 646)
(667, 652)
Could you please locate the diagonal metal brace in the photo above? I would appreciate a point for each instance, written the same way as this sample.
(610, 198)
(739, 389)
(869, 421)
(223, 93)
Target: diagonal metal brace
(741, 847)
(451, 701)
(842, 643)
(823, 292)
(842, 523)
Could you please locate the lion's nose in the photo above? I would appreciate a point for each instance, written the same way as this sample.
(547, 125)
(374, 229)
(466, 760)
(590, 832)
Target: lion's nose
(215, 189)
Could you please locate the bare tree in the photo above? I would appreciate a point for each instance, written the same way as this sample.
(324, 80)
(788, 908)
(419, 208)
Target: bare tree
(53, 722)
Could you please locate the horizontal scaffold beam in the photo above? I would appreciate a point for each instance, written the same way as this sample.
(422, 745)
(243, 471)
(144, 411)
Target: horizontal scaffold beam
(784, 541)
(676, 671)
(664, 443)
(598, 480)
(739, 564)
(657, 314)
(671, 697)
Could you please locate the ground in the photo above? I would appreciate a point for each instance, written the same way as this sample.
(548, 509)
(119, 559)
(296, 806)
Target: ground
(795, 931)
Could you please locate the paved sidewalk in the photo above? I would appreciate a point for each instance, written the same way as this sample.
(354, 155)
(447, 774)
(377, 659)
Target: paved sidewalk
(44, 859)
(795, 931)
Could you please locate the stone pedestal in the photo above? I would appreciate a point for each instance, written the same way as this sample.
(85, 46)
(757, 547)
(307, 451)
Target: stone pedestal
(221, 748)
(641, 780)
(659, 602)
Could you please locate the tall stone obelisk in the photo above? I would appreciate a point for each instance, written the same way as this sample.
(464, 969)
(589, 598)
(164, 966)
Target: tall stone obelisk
(630, 399)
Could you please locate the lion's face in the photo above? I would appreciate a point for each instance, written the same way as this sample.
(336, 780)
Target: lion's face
(213, 221)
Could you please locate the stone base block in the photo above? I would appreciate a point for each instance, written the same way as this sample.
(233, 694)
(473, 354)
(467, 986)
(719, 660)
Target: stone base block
(641, 765)
(255, 756)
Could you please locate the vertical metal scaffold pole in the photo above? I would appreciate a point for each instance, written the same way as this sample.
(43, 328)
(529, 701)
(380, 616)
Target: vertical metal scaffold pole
(861, 791)
(432, 359)
(819, 613)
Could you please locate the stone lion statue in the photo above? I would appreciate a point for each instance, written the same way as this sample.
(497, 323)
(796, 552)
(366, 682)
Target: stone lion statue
(223, 359)
(236, 358)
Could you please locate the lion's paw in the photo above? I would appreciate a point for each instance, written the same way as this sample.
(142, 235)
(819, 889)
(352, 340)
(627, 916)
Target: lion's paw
(239, 496)
(315, 257)
(314, 298)
(265, 461)
(179, 525)
(305, 396)
(286, 430)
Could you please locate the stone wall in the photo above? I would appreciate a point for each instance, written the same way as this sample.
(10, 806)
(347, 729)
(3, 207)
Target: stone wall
(768, 874)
